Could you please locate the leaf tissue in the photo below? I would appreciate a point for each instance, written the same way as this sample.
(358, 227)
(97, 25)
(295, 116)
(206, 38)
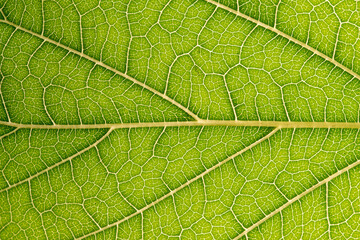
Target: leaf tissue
(181, 119)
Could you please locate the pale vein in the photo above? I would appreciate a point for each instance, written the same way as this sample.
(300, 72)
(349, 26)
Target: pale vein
(209, 123)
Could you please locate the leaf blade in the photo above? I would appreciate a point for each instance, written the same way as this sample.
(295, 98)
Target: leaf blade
(193, 151)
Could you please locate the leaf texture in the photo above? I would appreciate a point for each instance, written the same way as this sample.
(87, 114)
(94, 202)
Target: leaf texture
(191, 119)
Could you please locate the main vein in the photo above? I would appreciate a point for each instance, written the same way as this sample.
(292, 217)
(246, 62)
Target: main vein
(234, 123)
(292, 39)
(186, 183)
(105, 66)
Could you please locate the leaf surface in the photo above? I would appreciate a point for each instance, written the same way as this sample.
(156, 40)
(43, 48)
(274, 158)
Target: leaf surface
(194, 119)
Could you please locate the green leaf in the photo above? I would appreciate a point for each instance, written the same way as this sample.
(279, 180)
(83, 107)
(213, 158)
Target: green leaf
(191, 119)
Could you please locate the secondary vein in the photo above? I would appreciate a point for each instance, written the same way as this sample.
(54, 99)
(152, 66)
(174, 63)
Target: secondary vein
(292, 39)
(326, 180)
(171, 193)
(83, 55)
(59, 163)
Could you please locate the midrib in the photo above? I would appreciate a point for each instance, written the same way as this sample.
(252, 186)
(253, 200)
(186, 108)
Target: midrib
(204, 123)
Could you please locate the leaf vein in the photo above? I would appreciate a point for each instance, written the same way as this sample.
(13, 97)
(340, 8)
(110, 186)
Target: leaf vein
(172, 192)
(290, 38)
(238, 123)
(320, 183)
(83, 55)
(59, 163)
